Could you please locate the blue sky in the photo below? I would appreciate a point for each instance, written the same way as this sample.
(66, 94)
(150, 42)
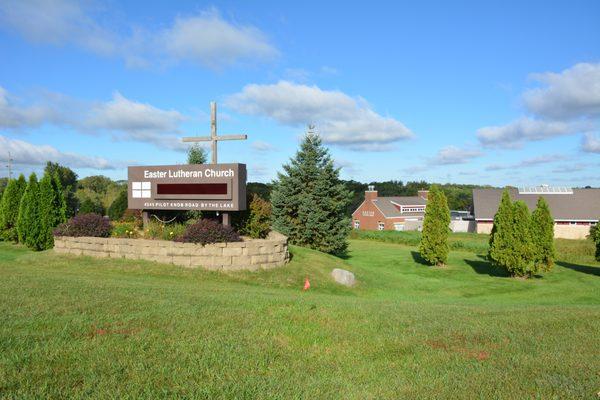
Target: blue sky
(501, 93)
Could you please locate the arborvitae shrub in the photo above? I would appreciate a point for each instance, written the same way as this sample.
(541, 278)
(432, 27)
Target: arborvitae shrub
(542, 235)
(29, 224)
(309, 201)
(52, 208)
(9, 208)
(522, 256)
(208, 231)
(502, 235)
(258, 224)
(118, 207)
(85, 225)
(89, 206)
(434, 240)
(595, 236)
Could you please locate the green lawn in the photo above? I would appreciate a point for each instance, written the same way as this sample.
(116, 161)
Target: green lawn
(79, 327)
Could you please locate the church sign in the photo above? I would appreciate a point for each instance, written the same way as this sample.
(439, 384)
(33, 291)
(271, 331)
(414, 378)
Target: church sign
(209, 187)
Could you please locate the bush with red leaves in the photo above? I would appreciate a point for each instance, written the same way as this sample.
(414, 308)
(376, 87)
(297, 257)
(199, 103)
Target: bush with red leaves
(85, 225)
(207, 231)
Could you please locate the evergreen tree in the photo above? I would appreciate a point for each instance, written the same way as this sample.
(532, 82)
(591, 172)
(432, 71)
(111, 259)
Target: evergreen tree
(542, 235)
(89, 206)
(196, 154)
(118, 207)
(434, 240)
(522, 256)
(68, 182)
(502, 235)
(9, 208)
(29, 223)
(595, 236)
(52, 208)
(309, 201)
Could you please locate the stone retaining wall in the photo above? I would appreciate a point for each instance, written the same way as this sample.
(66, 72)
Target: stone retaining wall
(251, 254)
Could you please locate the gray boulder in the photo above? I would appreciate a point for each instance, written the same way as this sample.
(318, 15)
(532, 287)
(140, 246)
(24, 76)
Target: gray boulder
(343, 277)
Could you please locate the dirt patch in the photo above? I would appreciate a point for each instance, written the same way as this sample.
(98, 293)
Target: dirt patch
(459, 348)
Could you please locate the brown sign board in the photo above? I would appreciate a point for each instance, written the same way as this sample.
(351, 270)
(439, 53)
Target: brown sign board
(210, 187)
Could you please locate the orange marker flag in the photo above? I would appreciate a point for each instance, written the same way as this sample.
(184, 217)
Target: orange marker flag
(306, 284)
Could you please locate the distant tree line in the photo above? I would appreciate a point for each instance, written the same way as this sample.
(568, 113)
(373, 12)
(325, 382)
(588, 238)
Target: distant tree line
(459, 196)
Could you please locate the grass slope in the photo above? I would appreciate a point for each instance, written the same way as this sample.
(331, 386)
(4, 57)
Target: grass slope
(79, 327)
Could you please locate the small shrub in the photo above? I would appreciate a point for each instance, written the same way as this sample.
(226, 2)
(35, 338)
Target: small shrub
(157, 230)
(134, 216)
(85, 225)
(258, 224)
(208, 231)
(125, 230)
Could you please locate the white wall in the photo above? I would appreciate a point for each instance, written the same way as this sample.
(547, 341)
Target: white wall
(463, 226)
(560, 231)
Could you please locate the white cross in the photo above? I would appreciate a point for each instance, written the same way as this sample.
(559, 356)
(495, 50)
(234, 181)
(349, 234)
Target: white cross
(213, 138)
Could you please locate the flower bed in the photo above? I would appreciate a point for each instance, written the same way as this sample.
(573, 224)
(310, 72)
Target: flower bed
(248, 254)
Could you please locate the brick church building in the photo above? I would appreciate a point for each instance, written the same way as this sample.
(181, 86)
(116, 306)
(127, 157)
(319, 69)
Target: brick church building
(390, 213)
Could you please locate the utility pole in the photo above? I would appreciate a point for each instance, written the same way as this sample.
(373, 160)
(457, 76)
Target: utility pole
(9, 166)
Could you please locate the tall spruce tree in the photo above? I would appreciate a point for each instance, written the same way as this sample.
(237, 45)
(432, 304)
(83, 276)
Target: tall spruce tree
(29, 223)
(502, 235)
(434, 240)
(542, 235)
(309, 201)
(9, 208)
(52, 208)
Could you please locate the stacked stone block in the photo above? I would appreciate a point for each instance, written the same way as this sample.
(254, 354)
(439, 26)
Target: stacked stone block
(250, 254)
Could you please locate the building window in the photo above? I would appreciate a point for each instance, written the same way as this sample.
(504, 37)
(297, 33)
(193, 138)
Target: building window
(413, 209)
(381, 226)
(357, 224)
(398, 227)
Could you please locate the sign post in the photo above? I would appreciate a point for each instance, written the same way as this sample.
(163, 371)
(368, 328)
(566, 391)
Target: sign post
(214, 138)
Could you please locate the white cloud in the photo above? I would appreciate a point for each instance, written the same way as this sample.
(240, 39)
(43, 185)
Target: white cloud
(525, 129)
(57, 22)
(454, 155)
(206, 38)
(17, 116)
(137, 122)
(341, 119)
(591, 143)
(31, 154)
(529, 162)
(572, 93)
(209, 40)
(123, 118)
(259, 145)
(567, 103)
